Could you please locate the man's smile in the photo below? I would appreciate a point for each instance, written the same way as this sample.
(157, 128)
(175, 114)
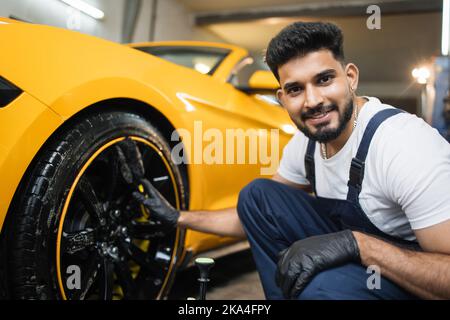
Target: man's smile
(319, 116)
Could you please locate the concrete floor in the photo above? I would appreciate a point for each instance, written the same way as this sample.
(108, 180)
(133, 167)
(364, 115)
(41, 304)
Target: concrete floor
(234, 277)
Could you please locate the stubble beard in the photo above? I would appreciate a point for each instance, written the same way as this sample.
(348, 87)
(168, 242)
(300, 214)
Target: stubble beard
(322, 133)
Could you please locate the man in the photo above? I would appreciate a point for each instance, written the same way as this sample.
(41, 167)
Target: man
(381, 179)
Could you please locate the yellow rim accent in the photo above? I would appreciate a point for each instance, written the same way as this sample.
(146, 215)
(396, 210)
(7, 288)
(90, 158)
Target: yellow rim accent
(72, 189)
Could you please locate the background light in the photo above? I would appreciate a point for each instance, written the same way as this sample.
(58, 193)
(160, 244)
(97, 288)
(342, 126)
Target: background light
(421, 74)
(445, 27)
(288, 128)
(202, 68)
(85, 8)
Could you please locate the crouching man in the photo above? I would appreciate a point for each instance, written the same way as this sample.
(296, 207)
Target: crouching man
(381, 183)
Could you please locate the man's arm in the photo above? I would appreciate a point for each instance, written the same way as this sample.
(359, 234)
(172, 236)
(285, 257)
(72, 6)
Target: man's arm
(425, 274)
(223, 222)
(278, 178)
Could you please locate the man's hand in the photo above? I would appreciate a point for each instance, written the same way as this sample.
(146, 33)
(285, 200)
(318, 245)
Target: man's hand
(159, 207)
(299, 263)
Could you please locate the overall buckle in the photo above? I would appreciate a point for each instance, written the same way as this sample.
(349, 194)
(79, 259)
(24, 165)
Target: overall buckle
(356, 173)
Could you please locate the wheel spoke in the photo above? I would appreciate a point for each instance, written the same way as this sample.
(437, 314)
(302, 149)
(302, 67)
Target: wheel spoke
(147, 158)
(145, 230)
(131, 162)
(106, 279)
(161, 183)
(78, 241)
(89, 274)
(125, 279)
(90, 200)
(113, 177)
(140, 257)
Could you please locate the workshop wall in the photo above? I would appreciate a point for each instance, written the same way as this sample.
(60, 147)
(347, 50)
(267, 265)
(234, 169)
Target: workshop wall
(57, 13)
(172, 20)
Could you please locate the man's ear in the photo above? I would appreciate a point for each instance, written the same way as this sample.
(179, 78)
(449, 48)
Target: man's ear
(280, 96)
(352, 73)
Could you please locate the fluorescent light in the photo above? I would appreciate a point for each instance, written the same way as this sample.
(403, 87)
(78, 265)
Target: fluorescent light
(85, 8)
(445, 27)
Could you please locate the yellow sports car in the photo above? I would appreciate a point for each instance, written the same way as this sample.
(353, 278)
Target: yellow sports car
(71, 105)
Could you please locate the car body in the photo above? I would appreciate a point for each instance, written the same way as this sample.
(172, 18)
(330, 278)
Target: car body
(62, 73)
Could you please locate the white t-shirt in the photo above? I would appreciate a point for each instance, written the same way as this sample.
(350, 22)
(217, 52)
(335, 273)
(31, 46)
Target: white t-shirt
(406, 182)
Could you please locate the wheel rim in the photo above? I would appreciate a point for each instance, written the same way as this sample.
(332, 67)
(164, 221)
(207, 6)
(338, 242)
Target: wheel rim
(116, 250)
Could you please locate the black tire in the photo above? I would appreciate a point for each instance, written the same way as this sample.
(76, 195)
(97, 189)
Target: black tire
(87, 149)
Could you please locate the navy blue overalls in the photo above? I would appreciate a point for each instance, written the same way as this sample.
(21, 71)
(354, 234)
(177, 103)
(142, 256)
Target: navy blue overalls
(275, 215)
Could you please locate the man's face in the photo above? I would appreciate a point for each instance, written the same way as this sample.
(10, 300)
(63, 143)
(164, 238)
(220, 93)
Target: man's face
(315, 90)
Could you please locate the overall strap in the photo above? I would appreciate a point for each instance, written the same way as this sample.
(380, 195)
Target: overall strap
(356, 174)
(309, 164)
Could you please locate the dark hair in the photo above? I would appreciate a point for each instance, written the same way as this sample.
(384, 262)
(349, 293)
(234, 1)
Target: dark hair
(301, 38)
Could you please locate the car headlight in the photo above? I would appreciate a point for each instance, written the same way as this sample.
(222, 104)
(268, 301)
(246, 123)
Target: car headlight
(8, 92)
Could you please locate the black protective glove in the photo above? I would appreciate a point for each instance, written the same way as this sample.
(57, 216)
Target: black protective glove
(159, 207)
(298, 264)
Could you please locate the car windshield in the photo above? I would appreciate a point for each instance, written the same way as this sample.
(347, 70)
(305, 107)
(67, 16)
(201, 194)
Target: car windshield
(203, 59)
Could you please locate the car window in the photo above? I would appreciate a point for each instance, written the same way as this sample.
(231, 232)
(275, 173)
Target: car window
(203, 59)
(242, 72)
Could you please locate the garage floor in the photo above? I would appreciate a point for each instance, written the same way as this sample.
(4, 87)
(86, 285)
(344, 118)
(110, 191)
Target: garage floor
(234, 277)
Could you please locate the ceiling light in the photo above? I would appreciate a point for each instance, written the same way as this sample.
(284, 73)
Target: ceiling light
(85, 8)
